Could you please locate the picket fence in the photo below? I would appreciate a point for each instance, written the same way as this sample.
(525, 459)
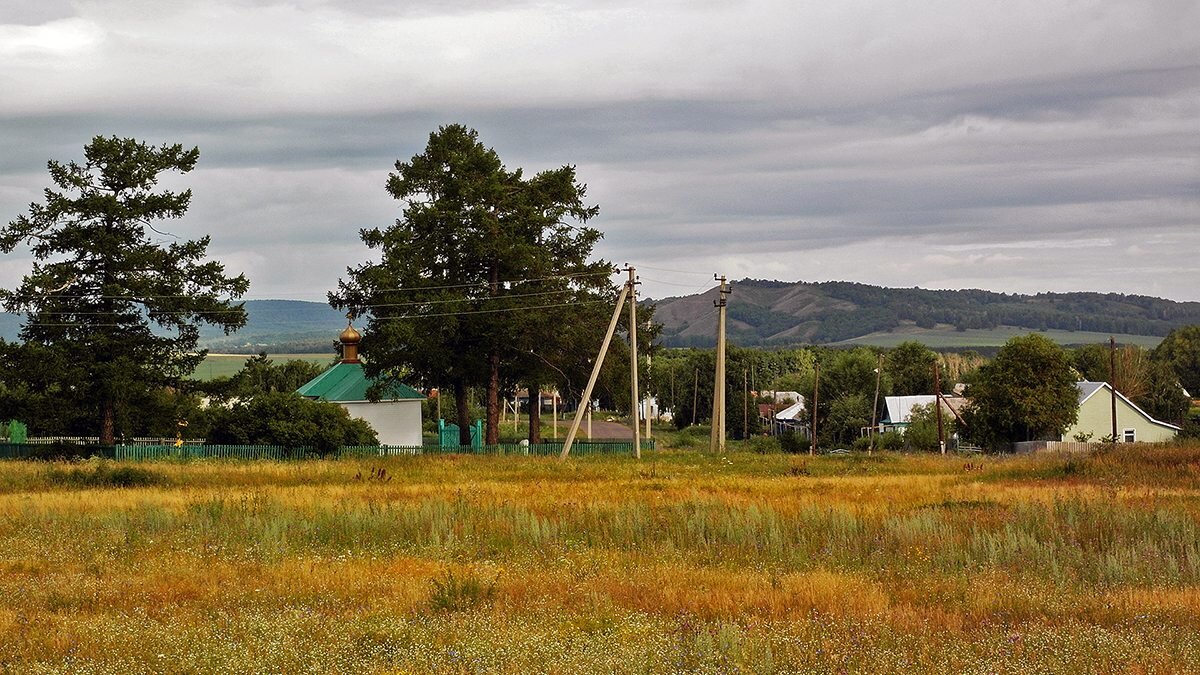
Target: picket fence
(139, 452)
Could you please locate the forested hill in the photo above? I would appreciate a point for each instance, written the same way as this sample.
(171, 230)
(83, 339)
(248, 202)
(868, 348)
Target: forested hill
(272, 326)
(776, 312)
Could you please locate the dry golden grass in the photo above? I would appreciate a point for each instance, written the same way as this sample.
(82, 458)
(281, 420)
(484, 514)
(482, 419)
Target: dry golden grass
(684, 562)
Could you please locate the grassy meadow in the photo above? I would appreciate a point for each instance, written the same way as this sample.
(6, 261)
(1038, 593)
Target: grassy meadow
(683, 562)
(227, 365)
(947, 337)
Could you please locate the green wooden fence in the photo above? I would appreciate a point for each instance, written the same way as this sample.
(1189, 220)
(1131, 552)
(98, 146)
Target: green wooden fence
(281, 453)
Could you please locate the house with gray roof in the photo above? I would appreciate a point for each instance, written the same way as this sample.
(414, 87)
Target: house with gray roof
(1133, 423)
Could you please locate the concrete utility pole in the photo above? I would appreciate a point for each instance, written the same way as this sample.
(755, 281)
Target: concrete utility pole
(937, 402)
(649, 411)
(586, 399)
(633, 362)
(812, 448)
(717, 438)
(746, 407)
(1112, 382)
(875, 405)
(695, 394)
(554, 407)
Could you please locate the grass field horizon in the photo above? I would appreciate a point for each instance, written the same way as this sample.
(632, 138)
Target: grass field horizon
(947, 337)
(226, 365)
(682, 562)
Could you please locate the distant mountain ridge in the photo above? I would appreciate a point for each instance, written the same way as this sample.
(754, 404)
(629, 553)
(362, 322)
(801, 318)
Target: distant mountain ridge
(273, 326)
(763, 312)
(771, 313)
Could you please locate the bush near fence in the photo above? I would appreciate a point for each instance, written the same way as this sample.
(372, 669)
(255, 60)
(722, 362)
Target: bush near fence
(61, 450)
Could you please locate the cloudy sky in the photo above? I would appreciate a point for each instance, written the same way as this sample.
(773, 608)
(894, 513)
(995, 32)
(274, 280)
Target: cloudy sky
(1021, 146)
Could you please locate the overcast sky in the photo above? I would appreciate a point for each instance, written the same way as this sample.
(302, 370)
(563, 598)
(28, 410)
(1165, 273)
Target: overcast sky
(1020, 146)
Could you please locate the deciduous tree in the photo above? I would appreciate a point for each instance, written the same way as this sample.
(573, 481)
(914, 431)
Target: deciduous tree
(1026, 393)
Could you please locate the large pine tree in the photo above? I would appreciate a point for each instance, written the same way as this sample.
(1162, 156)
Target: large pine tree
(110, 287)
(483, 268)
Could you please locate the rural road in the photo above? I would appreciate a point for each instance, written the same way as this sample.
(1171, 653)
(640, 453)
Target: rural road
(600, 430)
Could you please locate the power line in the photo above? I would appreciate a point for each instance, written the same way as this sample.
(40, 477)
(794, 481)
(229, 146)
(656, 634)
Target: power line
(497, 310)
(486, 298)
(478, 284)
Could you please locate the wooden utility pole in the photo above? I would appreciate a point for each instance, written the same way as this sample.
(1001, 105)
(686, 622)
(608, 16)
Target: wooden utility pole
(633, 363)
(586, 399)
(812, 448)
(746, 408)
(875, 405)
(937, 402)
(717, 438)
(1112, 382)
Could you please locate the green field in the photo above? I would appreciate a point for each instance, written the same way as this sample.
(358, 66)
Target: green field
(225, 365)
(684, 562)
(949, 338)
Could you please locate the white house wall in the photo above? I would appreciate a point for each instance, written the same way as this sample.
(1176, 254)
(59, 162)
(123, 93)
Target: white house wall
(395, 422)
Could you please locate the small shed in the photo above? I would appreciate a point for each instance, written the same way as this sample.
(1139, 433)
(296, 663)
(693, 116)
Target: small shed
(1133, 423)
(396, 416)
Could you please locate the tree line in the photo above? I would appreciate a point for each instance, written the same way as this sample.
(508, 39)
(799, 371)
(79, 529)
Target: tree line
(485, 282)
(1025, 392)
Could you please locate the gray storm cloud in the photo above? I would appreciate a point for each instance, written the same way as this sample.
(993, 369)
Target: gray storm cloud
(1019, 146)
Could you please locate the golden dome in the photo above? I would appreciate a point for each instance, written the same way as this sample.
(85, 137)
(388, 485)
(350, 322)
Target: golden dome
(350, 336)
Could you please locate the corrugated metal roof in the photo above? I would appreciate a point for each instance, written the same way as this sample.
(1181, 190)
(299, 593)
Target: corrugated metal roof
(899, 408)
(346, 382)
(793, 412)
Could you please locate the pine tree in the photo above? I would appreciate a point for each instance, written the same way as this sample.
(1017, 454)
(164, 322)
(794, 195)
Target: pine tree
(121, 296)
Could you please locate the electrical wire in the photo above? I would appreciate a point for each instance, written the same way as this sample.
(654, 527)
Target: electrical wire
(486, 298)
(497, 310)
(380, 290)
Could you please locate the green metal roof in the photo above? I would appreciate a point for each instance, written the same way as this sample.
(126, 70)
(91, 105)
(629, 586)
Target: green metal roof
(347, 382)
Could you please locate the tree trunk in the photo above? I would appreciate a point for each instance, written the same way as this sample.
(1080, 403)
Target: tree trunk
(107, 422)
(535, 414)
(464, 413)
(493, 399)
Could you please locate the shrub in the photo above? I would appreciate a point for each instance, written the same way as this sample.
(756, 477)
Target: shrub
(104, 475)
(792, 442)
(763, 445)
(454, 594)
(289, 420)
(891, 440)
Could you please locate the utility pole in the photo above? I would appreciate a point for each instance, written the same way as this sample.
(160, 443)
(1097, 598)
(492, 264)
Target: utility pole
(717, 438)
(649, 412)
(554, 407)
(746, 408)
(586, 399)
(875, 405)
(937, 402)
(812, 449)
(633, 361)
(1112, 382)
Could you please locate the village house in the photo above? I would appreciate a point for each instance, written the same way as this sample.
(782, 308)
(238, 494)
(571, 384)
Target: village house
(1095, 418)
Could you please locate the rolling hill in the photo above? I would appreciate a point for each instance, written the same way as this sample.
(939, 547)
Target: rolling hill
(776, 313)
(781, 313)
(276, 326)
